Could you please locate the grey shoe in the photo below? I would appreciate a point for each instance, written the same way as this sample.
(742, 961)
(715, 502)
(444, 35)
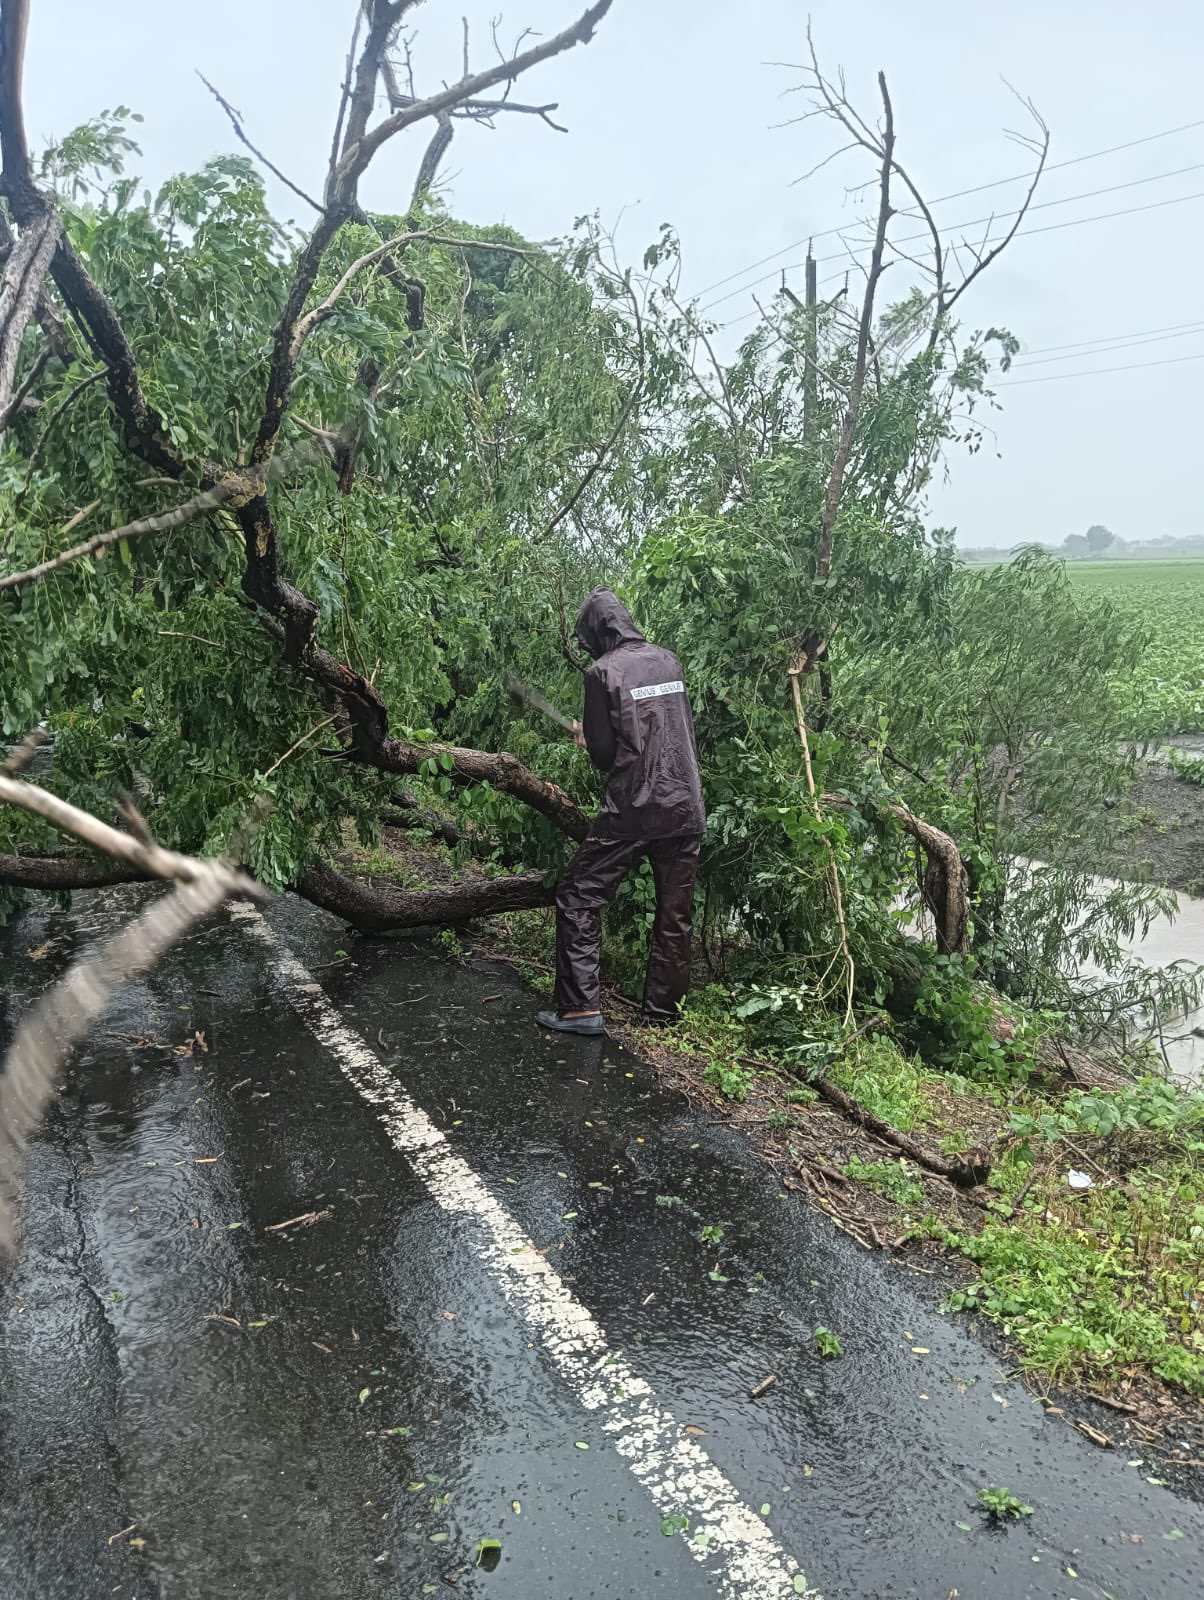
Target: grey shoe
(591, 1027)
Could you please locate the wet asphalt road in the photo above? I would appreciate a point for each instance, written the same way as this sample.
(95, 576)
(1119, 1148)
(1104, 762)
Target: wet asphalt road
(194, 1406)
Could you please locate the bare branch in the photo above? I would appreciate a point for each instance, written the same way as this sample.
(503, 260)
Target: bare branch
(984, 261)
(62, 1017)
(236, 123)
(150, 859)
(359, 152)
(823, 560)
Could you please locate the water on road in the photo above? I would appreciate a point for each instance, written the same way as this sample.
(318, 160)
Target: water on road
(498, 1321)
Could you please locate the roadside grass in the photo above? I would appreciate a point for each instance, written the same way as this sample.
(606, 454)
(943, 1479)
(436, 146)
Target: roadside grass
(1090, 1284)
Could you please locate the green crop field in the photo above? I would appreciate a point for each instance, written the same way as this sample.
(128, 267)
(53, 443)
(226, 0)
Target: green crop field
(1167, 690)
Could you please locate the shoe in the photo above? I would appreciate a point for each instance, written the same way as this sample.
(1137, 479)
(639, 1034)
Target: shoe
(590, 1027)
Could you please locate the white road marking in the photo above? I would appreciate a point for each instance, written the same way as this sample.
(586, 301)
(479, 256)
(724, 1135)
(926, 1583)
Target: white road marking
(734, 1544)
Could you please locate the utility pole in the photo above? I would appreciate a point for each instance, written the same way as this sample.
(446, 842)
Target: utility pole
(810, 352)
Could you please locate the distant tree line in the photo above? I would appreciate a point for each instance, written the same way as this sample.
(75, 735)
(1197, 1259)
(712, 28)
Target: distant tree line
(1097, 544)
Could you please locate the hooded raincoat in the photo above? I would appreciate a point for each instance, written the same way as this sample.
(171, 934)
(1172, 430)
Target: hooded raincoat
(638, 729)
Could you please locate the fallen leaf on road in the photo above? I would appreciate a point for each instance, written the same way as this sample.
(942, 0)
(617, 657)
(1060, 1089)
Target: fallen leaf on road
(216, 1316)
(920, 1350)
(697, 1432)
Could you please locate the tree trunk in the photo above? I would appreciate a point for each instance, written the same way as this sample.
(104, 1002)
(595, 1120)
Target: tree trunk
(371, 906)
(376, 907)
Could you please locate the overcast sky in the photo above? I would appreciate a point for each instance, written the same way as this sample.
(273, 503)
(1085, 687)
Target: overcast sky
(671, 112)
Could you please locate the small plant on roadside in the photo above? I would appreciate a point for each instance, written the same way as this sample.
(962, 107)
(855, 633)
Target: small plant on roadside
(1001, 1505)
(712, 1233)
(890, 1178)
(730, 1079)
(447, 938)
(802, 1097)
(827, 1344)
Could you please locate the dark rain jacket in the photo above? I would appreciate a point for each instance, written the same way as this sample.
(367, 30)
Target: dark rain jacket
(638, 728)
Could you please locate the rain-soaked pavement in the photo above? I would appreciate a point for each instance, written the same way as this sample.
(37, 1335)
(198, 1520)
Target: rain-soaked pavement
(196, 1403)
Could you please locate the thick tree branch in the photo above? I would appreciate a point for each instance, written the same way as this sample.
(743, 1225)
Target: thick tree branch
(90, 307)
(61, 1018)
(62, 873)
(144, 856)
(379, 907)
(504, 772)
(24, 270)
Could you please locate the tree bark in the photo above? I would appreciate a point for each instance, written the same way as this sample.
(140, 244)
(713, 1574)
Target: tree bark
(503, 771)
(376, 907)
(946, 882)
(64, 873)
(372, 907)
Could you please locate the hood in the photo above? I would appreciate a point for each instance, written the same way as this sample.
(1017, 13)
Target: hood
(604, 622)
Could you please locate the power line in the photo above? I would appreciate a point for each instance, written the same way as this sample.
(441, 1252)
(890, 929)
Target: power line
(1106, 338)
(1024, 233)
(1190, 331)
(1098, 372)
(959, 194)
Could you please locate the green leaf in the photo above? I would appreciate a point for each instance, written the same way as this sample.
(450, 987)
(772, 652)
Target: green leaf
(489, 1553)
(674, 1524)
(364, 1393)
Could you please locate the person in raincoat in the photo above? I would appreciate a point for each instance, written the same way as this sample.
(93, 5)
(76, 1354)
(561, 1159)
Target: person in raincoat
(638, 729)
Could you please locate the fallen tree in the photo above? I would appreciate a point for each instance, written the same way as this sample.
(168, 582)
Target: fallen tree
(242, 489)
